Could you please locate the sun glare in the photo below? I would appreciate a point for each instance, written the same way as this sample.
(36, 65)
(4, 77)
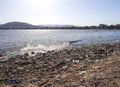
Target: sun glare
(40, 3)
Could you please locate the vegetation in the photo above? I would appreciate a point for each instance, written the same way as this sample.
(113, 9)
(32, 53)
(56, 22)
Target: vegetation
(22, 25)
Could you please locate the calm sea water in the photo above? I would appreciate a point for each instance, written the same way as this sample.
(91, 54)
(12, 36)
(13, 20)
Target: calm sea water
(42, 40)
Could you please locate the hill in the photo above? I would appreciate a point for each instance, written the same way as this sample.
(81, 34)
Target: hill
(23, 25)
(16, 25)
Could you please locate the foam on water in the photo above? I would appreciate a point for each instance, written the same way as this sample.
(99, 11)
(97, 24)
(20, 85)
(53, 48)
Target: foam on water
(43, 48)
(15, 41)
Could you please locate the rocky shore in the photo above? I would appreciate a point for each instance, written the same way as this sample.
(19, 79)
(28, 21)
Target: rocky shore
(86, 66)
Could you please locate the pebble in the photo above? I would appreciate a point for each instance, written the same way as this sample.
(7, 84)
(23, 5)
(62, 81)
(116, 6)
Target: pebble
(32, 52)
(76, 61)
(33, 80)
(26, 54)
(11, 81)
(0, 55)
(67, 66)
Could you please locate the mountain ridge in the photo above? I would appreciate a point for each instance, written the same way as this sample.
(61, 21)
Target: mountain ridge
(24, 25)
(12, 25)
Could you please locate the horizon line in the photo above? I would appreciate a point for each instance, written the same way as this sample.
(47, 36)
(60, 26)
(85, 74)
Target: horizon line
(58, 24)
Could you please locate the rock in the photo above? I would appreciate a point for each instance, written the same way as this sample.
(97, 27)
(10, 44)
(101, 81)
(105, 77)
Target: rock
(0, 55)
(101, 51)
(26, 54)
(20, 68)
(84, 67)
(61, 63)
(33, 80)
(11, 81)
(32, 52)
(75, 61)
(43, 83)
(86, 56)
(23, 63)
(64, 67)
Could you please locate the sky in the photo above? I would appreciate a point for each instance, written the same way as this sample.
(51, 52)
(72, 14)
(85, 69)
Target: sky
(75, 12)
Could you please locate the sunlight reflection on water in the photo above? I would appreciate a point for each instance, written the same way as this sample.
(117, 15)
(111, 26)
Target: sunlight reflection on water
(46, 39)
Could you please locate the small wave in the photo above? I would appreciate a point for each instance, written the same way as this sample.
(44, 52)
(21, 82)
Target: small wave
(43, 48)
(75, 41)
(116, 41)
(58, 47)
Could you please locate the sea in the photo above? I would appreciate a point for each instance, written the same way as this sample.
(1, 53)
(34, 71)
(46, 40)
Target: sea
(33, 40)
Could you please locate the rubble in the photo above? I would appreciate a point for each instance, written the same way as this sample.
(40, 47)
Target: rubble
(86, 66)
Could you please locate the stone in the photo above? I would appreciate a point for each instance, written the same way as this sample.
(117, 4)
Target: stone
(86, 56)
(75, 61)
(33, 80)
(32, 52)
(26, 54)
(0, 55)
(11, 81)
(43, 83)
(56, 69)
(64, 67)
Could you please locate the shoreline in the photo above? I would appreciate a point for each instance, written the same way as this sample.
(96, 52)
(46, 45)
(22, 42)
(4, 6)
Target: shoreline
(93, 65)
(59, 28)
(71, 45)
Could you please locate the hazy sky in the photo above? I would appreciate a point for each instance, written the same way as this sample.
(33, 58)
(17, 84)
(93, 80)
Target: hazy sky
(77, 12)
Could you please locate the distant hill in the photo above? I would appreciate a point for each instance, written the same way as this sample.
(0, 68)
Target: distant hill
(16, 25)
(22, 25)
